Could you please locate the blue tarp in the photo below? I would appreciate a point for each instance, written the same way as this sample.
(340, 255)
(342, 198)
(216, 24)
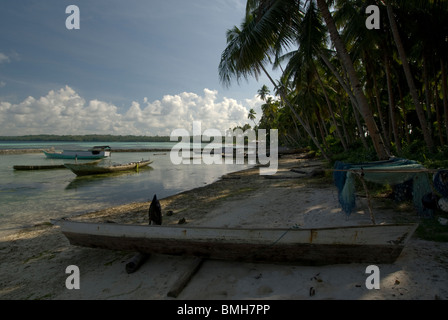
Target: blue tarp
(395, 171)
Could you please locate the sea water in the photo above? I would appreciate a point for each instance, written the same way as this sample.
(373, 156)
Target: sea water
(31, 197)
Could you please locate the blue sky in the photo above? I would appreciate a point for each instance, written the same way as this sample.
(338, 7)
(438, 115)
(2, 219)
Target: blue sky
(138, 61)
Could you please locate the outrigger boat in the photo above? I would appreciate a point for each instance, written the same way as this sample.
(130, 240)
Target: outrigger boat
(84, 169)
(317, 246)
(97, 152)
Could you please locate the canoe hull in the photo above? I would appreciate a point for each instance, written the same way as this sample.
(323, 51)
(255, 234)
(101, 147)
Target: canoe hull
(86, 169)
(367, 244)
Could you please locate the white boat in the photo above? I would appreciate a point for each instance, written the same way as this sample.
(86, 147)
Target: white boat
(318, 246)
(97, 152)
(84, 169)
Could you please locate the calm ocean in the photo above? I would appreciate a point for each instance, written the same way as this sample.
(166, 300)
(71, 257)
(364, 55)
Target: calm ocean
(30, 197)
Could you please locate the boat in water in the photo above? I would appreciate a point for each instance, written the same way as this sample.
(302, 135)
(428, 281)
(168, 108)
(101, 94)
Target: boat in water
(84, 169)
(97, 152)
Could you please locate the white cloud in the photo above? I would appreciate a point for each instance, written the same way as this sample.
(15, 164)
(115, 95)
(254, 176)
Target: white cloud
(4, 58)
(65, 112)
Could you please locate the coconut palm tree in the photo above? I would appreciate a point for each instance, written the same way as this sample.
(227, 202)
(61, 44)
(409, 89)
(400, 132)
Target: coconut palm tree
(346, 61)
(251, 115)
(248, 50)
(409, 77)
(303, 65)
(263, 92)
(275, 27)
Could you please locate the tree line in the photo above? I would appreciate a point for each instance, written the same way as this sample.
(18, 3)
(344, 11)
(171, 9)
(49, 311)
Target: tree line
(343, 85)
(87, 138)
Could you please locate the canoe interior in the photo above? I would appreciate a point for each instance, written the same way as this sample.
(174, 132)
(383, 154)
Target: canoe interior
(298, 246)
(88, 169)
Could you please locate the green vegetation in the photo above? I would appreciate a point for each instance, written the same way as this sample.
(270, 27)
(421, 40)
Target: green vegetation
(432, 230)
(347, 91)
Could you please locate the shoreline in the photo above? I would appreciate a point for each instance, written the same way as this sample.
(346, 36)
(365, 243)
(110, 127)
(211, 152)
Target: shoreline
(25, 151)
(33, 261)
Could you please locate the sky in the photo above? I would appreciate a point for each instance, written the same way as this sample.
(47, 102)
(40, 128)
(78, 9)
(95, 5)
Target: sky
(137, 67)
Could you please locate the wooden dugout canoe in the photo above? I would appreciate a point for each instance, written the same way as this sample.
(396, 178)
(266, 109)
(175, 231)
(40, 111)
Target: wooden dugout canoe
(320, 246)
(89, 169)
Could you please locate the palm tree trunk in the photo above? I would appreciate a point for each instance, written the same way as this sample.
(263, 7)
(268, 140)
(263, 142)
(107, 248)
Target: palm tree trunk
(445, 93)
(380, 112)
(427, 91)
(333, 118)
(405, 118)
(350, 95)
(409, 79)
(438, 116)
(298, 117)
(320, 126)
(348, 137)
(361, 99)
(393, 119)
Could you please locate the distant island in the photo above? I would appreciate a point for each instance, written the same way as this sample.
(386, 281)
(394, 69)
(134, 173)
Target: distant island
(87, 138)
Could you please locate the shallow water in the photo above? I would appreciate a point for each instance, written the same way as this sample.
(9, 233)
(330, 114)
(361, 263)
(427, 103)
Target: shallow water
(30, 197)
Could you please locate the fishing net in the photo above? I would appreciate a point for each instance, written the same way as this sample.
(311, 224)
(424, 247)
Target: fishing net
(440, 180)
(402, 174)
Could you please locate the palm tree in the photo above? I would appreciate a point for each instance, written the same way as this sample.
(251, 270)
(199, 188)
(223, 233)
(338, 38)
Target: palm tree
(263, 92)
(409, 78)
(251, 115)
(303, 63)
(346, 61)
(248, 50)
(277, 22)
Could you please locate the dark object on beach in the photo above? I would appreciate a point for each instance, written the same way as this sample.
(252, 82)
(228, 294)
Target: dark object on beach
(318, 172)
(155, 212)
(430, 201)
(155, 218)
(136, 261)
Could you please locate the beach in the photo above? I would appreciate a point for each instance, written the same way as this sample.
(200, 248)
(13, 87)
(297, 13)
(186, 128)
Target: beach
(34, 260)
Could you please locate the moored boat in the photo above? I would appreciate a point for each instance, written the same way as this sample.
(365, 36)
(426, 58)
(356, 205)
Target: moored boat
(317, 246)
(82, 169)
(97, 152)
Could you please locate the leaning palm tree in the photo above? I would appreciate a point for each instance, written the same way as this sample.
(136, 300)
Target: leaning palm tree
(303, 64)
(346, 61)
(409, 77)
(273, 26)
(248, 51)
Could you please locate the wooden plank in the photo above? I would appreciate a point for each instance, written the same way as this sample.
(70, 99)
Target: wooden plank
(136, 262)
(38, 167)
(185, 277)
